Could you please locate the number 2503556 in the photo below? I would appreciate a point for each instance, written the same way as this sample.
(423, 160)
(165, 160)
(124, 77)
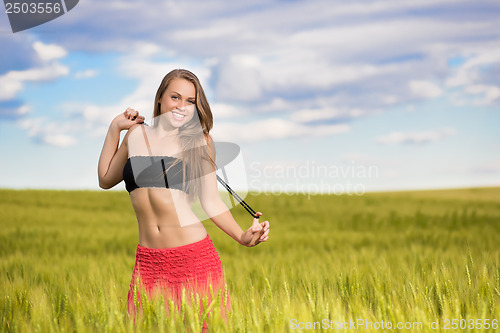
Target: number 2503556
(32, 8)
(455, 324)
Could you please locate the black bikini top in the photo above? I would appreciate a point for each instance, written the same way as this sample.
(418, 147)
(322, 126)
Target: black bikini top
(153, 171)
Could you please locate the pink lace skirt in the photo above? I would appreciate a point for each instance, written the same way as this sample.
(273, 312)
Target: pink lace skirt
(193, 267)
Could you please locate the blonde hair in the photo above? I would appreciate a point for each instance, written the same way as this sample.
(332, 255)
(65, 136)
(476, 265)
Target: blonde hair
(194, 150)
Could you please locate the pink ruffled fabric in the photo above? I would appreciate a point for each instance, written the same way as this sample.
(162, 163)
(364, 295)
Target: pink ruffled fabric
(192, 267)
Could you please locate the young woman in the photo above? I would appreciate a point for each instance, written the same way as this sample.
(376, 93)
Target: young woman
(165, 167)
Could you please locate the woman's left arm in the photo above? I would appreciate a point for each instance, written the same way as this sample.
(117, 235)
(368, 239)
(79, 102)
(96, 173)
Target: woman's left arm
(218, 212)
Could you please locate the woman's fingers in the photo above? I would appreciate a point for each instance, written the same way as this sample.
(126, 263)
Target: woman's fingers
(126, 119)
(264, 236)
(128, 112)
(265, 229)
(265, 225)
(256, 226)
(133, 115)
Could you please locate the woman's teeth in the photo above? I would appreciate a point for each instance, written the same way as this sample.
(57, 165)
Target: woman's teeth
(178, 116)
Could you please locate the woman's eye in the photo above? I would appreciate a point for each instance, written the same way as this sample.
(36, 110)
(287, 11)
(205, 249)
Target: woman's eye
(175, 97)
(192, 102)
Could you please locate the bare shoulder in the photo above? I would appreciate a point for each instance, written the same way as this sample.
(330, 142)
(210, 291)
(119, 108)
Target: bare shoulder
(132, 133)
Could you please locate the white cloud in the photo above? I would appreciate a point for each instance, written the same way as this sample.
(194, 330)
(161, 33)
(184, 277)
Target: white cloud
(487, 57)
(45, 131)
(239, 79)
(276, 104)
(14, 112)
(272, 128)
(389, 99)
(212, 32)
(490, 93)
(476, 81)
(48, 52)
(24, 109)
(224, 111)
(470, 72)
(311, 115)
(416, 137)
(13, 82)
(86, 74)
(59, 140)
(425, 89)
(360, 158)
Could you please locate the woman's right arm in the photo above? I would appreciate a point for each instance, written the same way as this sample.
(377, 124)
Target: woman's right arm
(113, 159)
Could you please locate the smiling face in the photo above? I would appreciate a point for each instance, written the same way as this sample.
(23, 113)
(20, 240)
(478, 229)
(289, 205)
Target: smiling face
(178, 102)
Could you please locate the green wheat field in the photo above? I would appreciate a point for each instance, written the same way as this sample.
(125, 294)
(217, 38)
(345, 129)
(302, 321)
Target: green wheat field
(426, 260)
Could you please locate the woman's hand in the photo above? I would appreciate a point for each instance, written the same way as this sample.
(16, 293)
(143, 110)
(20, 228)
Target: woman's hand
(257, 233)
(126, 119)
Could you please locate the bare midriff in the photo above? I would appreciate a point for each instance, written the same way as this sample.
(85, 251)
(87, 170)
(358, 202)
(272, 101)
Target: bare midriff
(165, 218)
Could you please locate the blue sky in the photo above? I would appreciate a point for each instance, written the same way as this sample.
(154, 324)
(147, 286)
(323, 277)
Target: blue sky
(320, 95)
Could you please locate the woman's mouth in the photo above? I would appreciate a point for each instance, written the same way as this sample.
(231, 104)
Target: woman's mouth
(178, 116)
